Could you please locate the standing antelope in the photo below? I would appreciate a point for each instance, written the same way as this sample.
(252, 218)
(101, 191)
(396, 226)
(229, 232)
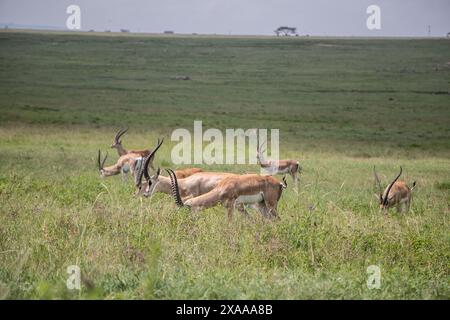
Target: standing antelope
(263, 191)
(117, 144)
(121, 150)
(272, 167)
(397, 193)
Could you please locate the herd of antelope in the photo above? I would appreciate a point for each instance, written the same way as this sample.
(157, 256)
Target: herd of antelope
(198, 190)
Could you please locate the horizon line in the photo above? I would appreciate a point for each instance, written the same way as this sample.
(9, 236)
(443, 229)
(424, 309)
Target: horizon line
(52, 29)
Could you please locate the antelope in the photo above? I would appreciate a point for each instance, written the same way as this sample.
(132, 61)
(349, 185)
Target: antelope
(121, 150)
(134, 164)
(125, 163)
(191, 186)
(131, 160)
(262, 191)
(117, 144)
(397, 194)
(273, 167)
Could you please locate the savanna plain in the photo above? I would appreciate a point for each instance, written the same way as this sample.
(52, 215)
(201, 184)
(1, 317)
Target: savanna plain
(342, 106)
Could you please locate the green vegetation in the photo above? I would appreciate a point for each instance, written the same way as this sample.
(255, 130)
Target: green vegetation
(342, 106)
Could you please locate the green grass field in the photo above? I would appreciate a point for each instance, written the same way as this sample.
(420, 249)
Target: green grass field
(342, 106)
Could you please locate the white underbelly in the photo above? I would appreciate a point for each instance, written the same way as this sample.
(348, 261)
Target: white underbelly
(253, 198)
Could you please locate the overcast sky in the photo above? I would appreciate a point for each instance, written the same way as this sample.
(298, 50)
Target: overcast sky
(314, 17)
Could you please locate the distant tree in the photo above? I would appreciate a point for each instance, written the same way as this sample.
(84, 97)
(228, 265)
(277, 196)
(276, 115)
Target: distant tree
(124, 30)
(448, 35)
(286, 31)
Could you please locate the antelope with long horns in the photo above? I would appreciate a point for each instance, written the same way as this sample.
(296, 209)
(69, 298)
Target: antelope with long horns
(124, 164)
(253, 189)
(191, 186)
(273, 167)
(397, 194)
(130, 160)
(117, 144)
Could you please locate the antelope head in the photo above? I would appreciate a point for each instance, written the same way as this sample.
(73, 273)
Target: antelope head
(384, 198)
(100, 163)
(146, 188)
(117, 142)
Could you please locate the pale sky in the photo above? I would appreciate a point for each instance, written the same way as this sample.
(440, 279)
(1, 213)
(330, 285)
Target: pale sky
(258, 17)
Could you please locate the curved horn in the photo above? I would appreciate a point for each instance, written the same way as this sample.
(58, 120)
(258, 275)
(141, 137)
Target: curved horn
(152, 154)
(98, 161)
(377, 181)
(175, 188)
(104, 160)
(101, 164)
(170, 176)
(261, 146)
(144, 167)
(158, 172)
(172, 182)
(284, 181)
(120, 134)
(386, 197)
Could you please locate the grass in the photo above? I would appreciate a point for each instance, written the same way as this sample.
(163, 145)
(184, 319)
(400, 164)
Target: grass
(342, 106)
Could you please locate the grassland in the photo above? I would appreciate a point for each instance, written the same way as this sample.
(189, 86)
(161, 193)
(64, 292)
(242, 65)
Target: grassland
(342, 105)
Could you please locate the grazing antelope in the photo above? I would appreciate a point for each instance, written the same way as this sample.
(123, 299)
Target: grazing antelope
(117, 144)
(130, 161)
(191, 186)
(397, 193)
(124, 164)
(272, 167)
(262, 191)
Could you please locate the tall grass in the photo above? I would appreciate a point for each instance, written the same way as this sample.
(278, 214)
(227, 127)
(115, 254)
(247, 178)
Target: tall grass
(57, 212)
